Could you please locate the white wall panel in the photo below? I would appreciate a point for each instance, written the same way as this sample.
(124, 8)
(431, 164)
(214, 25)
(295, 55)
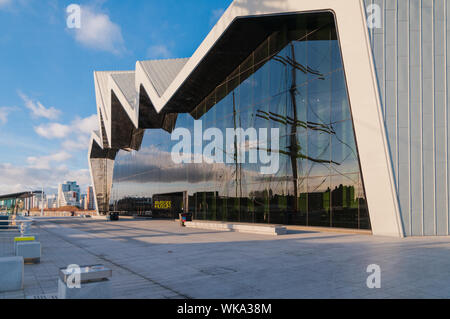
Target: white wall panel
(413, 73)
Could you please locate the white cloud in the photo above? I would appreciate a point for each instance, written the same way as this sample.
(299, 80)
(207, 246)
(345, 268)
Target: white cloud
(53, 130)
(4, 112)
(159, 51)
(38, 110)
(52, 169)
(78, 143)
(79, 126)
(98, 32)
(86, 125)
(18, 179)
(76, 135)
(45, 162)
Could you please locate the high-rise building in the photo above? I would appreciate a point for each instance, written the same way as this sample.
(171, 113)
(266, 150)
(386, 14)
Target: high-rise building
(83, 201)
(69, 194)
(90, 201)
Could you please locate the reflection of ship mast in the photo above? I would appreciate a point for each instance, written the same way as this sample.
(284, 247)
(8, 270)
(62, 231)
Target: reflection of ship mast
(294, 147)
(235, 155)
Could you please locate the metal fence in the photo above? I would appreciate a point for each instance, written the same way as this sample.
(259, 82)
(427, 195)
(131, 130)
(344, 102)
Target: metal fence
(20, 224)
(11, 228)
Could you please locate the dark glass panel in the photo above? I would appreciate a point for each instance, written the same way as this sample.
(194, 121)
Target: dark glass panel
(344, 198)
(319, 201)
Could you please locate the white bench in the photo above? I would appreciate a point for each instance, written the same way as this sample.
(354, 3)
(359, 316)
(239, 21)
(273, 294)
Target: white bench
(11, 274)
(23, 239)
(91, 290)
(260, 229)
(94, 283)
(208, 225)
(242, 228)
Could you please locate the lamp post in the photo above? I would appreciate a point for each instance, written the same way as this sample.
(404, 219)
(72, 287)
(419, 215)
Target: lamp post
(42, 201)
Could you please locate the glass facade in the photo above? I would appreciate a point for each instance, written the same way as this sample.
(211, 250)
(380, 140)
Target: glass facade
(293, 81)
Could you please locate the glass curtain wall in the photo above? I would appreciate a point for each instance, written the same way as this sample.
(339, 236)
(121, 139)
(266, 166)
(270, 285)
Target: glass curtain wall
(293, 81)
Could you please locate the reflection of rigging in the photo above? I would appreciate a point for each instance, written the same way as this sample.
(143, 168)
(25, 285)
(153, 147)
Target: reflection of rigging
(295, 65)
(294, 150)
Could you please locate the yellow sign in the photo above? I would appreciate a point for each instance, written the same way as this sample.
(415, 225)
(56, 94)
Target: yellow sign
(163, 204)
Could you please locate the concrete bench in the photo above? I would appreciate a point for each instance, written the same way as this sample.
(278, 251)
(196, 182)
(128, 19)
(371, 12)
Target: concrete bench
(23, 239)
(30, 251)
(259, 229)
(11, 274)
(242, 228)
(94, 283)
(208, 225)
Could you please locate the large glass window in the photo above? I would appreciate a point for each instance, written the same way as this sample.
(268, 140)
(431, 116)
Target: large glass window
(293, 81)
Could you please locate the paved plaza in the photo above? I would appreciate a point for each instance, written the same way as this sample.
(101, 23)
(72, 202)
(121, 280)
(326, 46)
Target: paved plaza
(159, 259)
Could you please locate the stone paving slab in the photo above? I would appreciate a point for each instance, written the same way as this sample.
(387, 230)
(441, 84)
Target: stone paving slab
(160, 259)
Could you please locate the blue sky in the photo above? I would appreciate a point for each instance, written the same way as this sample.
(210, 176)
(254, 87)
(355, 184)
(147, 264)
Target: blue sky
(47, 98)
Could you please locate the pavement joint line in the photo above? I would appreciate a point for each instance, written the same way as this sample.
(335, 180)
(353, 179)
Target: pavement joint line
(102, 257)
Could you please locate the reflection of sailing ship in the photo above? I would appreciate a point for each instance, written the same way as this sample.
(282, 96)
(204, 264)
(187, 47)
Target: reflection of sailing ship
(294, 150)
(297, 153)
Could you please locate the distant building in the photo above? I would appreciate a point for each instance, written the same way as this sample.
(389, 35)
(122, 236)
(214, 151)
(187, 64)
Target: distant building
(90, 201)
(34, 201)
(14, 203)
(68, 194)
(52, 201)
(83, 201)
